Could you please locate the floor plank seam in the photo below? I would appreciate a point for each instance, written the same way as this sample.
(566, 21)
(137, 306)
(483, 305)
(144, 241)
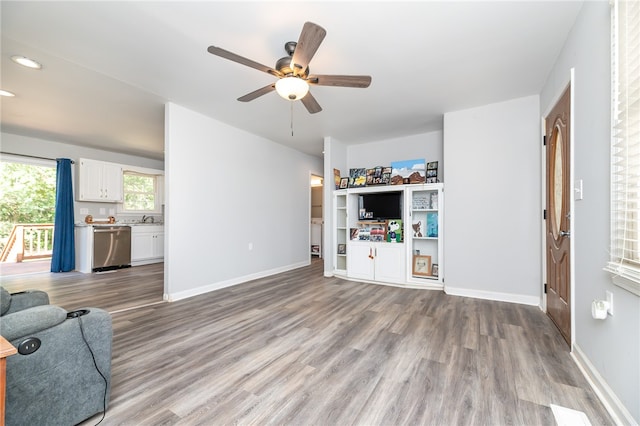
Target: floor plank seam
(133, 308)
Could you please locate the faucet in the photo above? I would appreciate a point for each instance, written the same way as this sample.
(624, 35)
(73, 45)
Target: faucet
(145, 217)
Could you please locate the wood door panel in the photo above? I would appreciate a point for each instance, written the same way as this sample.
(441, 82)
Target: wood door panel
(558, 203)
(558, 295)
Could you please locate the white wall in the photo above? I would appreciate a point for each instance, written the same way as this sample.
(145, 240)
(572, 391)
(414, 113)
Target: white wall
(23, 145)
(383, 153)
(227, 189)
(611, 347)
(492, 213)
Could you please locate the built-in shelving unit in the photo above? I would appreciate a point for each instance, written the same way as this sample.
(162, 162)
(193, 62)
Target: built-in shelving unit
(388, 250)
(424, 233)
(340, 232)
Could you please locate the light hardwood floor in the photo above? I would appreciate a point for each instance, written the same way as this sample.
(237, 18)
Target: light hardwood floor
(113, 291)
(300, 349)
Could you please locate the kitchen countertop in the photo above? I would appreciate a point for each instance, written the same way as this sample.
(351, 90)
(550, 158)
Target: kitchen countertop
(120, 224)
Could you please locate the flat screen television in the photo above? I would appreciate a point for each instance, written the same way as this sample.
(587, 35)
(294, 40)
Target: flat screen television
(382, 205)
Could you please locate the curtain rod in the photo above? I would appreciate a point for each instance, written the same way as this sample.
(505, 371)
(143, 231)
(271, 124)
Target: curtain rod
(33, 156)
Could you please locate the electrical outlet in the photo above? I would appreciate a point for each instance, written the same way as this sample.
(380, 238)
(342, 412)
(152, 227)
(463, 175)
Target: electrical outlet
(610, 300)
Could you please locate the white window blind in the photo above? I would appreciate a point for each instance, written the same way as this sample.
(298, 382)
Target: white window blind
(625, 145)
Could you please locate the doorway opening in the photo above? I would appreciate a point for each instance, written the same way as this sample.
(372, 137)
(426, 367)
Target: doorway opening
(27, 208)
(316, 227)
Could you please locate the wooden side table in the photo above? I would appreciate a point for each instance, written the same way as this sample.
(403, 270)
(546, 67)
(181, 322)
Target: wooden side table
(6, 349)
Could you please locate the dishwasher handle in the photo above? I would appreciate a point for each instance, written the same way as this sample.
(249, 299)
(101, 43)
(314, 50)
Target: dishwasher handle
(99, 230)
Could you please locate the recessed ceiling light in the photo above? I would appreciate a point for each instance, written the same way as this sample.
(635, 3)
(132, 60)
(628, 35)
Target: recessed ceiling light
(6, 93)
(26, 62)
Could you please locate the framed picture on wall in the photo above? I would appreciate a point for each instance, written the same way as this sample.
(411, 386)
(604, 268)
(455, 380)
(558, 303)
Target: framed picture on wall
(344, 183)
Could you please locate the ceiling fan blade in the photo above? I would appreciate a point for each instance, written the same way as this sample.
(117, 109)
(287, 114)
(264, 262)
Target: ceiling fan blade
(311, 104)
(360, 81)
(308, 43)
(257, 93)
(242, 60)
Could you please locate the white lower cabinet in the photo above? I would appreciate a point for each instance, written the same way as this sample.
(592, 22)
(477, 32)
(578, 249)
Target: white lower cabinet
(376, 261)
(147, 244)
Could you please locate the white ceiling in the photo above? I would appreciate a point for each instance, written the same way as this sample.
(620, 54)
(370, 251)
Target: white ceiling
(109, 67)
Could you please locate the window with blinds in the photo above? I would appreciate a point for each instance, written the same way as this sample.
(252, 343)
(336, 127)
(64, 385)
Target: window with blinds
(625, 145)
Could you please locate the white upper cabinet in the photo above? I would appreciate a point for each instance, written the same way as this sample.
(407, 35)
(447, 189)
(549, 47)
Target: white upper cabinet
(99, 181)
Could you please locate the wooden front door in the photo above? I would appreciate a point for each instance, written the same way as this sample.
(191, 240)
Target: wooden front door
(558, 215)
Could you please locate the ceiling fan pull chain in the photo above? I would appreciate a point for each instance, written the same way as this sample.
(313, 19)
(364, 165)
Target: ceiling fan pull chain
(291, 118)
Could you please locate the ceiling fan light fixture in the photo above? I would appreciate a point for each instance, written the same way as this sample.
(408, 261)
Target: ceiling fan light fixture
(292, 88)
(26, 62)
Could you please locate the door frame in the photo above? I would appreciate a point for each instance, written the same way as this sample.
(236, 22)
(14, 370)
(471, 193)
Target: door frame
(543, 201)
(313, 174)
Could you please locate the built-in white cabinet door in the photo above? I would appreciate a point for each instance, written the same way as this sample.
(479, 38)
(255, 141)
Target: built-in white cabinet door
(390, 262)
(376, 261)
(360, 260)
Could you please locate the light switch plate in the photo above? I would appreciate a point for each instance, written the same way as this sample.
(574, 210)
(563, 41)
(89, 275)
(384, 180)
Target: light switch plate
(578, 190)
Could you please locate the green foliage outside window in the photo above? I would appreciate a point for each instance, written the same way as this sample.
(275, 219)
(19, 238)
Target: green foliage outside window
(139, 192)
(27, 195)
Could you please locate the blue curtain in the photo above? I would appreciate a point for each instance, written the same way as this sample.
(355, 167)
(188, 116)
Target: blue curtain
(64, 251)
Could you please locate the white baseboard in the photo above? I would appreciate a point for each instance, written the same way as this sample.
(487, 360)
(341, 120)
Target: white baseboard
(619, 413)
(172, 297)
(491, 295)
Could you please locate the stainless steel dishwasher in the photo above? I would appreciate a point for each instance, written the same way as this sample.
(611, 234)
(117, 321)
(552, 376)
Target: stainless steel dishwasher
(111, 247)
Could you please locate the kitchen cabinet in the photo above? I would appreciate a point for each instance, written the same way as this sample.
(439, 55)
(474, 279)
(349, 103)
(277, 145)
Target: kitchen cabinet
(99, 181)
(147, 244)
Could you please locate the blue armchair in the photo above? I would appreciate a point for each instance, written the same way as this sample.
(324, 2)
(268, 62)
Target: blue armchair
(61, 374)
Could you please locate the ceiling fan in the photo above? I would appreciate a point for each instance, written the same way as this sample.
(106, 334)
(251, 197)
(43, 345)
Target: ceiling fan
(293, 70)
